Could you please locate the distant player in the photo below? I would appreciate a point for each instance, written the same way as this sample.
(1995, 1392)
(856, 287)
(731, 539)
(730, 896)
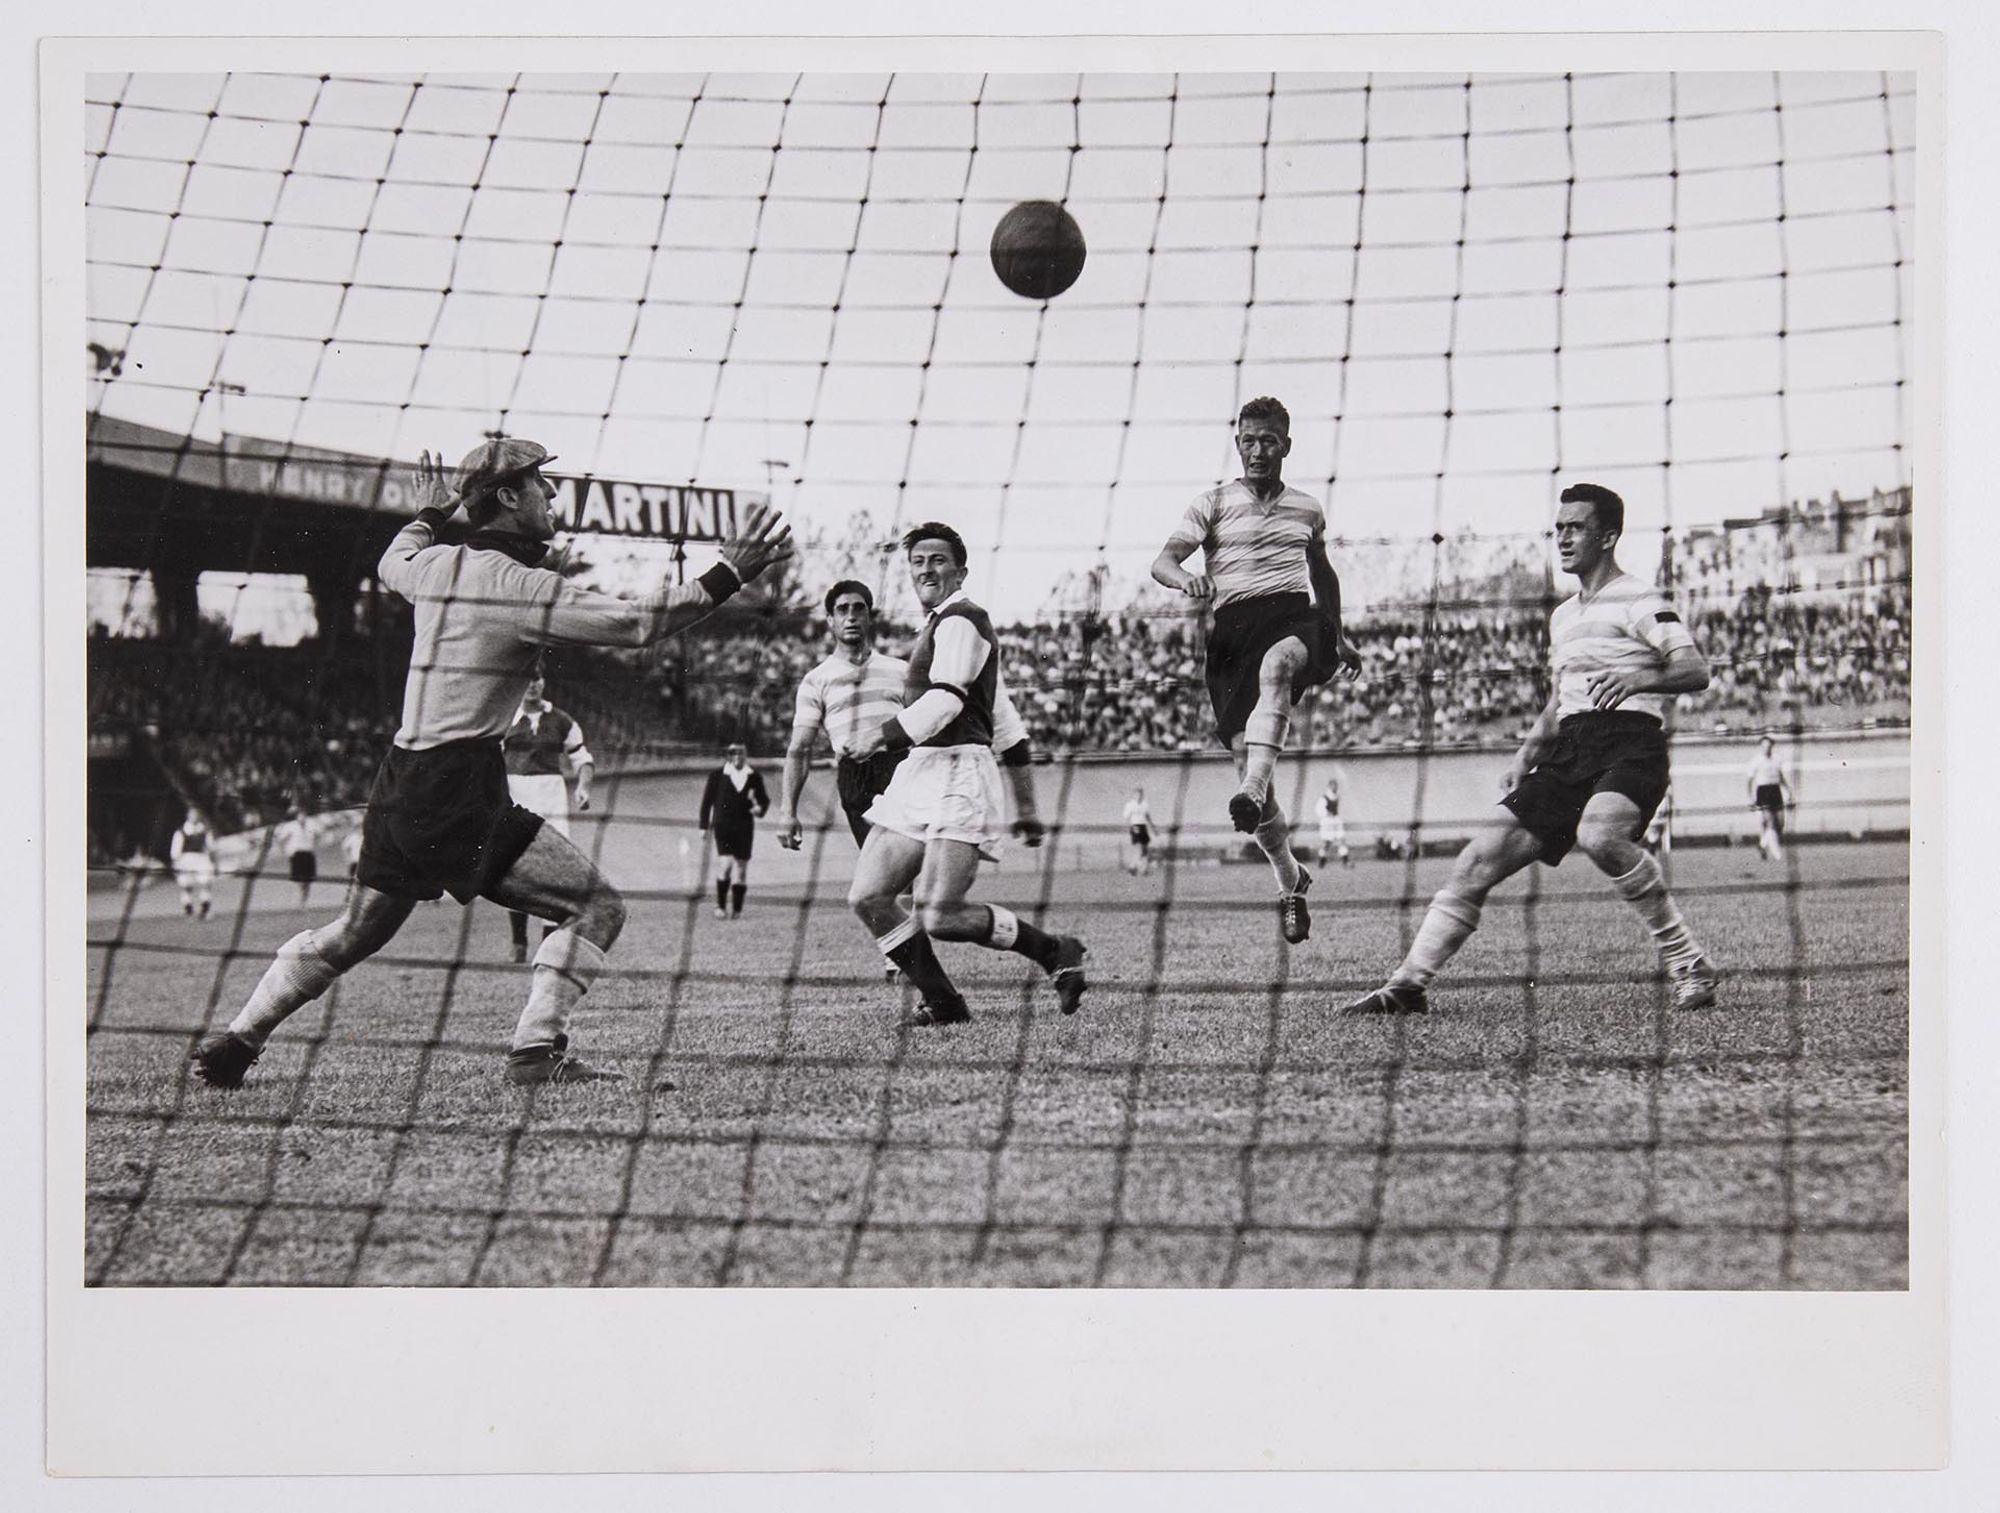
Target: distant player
(539, 745)
(856, 688)
(295, 839)
(193, 864)
(943, 810)
(1593, 768)
(731, 805)
(439, 817)
(350, 851)
(1139, 831)
(1332, 827)
(1770, 794)
(1277, 627)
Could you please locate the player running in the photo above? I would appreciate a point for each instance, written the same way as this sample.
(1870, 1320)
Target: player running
(1263, 548)
(541, 742)
(731, 804)
(1593, 768)
(193, 863)
(1770, 794)
(943, 810)
(856, 688)
(439, 818)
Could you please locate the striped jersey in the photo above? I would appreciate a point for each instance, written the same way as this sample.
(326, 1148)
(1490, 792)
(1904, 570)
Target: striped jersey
(1251, 549)
(843, 700)
(1627, 624)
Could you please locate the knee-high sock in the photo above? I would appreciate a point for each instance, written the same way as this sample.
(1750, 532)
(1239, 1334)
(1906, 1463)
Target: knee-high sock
(910, 949)
(518, 923)
(722, 893)
(1007, 931)
(296, 976)
(736, 892)
(1448, 923)
(1645, 889)
(1274, 838)
(565, 966)
(1263, 739)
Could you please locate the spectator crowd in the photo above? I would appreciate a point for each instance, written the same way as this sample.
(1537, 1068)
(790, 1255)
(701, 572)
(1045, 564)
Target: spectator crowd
(245, 731)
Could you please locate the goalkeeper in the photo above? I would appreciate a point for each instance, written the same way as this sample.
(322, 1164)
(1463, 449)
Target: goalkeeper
(439, 817)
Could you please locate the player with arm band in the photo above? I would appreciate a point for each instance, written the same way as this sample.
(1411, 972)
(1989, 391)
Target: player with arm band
(439, 817)
(944, 808)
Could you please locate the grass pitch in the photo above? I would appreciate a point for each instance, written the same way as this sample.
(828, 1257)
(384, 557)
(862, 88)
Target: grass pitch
(1205, 1121)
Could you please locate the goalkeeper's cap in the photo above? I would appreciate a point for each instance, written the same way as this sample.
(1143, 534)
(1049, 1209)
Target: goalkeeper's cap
(496, 462)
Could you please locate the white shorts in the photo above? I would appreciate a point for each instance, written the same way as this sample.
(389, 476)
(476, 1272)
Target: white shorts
(543, 793)
(195, 870)
(949, 793)
(1334, 830)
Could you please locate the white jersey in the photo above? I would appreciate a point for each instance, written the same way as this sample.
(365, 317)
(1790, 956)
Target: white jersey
(1138, 814)
(1765, 772)
(1627, 624)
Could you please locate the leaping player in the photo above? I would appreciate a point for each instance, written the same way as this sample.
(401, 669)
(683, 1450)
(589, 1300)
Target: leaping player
(1593, 768)
(439, 818)
(943, 810)
(1277, 627)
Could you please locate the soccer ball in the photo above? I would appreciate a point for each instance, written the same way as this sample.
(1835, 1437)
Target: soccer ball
(1037, 249)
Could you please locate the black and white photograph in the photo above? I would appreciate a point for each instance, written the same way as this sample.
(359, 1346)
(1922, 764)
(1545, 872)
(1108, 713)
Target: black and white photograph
(1010, 679)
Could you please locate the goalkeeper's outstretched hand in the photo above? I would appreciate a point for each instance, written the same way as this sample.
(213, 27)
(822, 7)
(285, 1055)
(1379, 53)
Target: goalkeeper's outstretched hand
(1030, 831)
(428, 486)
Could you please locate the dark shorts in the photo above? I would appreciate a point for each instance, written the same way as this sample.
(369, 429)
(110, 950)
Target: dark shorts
(1615, 752)
(735, 841)
(1141, 837)
(1771, 799)
(1243, 633)
(304, 866)
(440, 821)
(861, 783)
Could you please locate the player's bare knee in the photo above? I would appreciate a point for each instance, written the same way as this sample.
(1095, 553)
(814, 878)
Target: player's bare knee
(604, 916)
(1610, 846)
(866, 898)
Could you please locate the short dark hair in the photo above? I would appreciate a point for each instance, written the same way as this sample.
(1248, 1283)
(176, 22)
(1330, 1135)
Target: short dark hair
(1605, 507)
(935, 530)
(850, 586)
(1264, 407)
